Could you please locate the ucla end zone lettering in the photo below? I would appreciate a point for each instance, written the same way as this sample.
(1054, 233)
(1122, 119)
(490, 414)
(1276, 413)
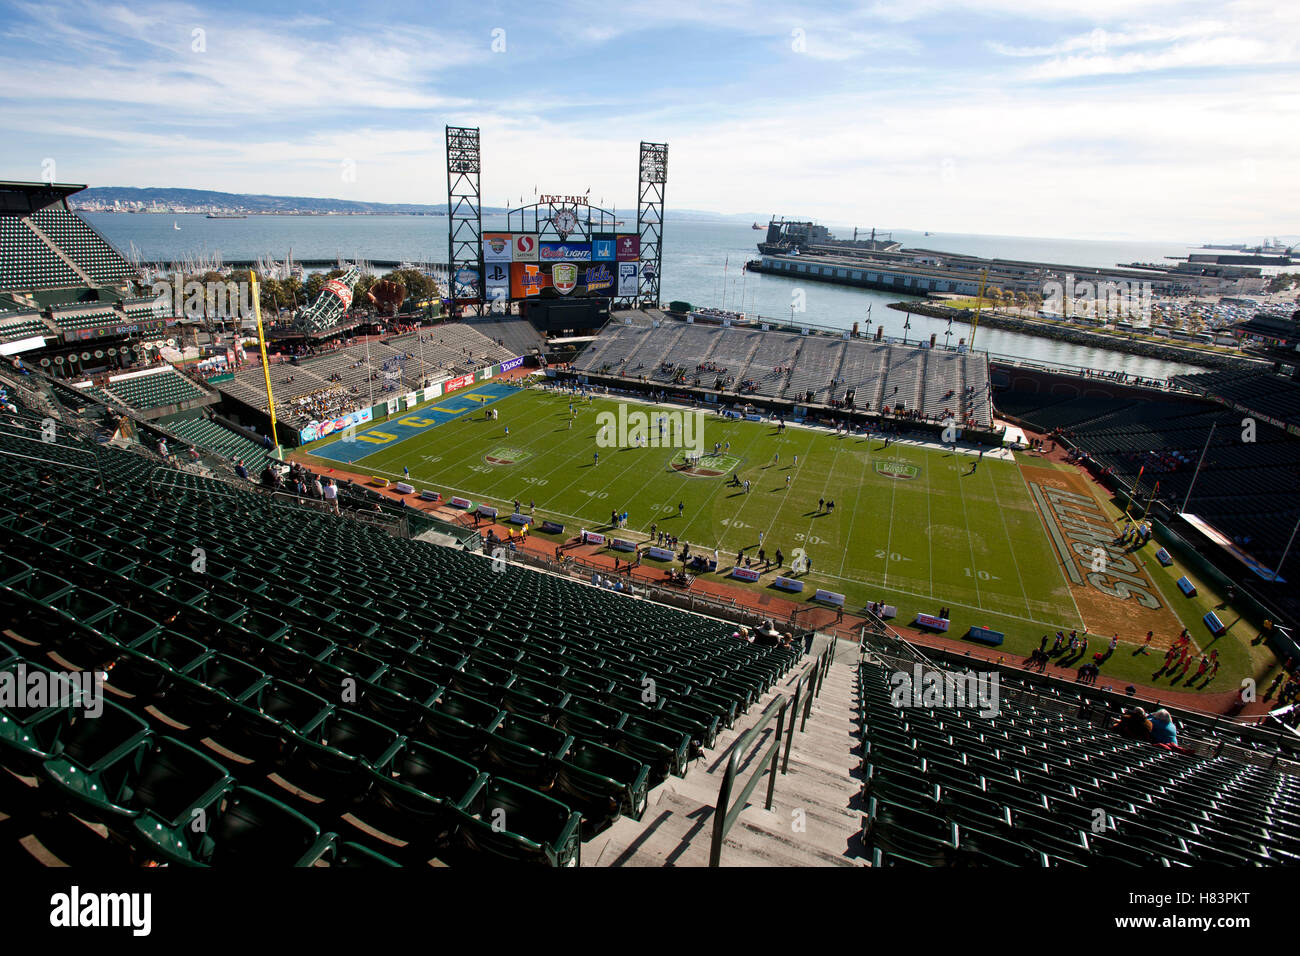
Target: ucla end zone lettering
(393, 431)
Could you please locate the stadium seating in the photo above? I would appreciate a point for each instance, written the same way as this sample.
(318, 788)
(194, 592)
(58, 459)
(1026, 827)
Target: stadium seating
(1038, 785)
(930, 382)
(27, 263)
(83, 245)
(153, 391)
(434, 704)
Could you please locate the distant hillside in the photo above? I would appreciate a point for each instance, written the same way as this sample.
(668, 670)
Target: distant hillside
(245, 202)
(99, 196)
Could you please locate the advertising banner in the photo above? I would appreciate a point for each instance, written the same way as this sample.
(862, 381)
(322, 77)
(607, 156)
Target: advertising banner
(465, 283)
(551, 527)
(788, 584)
(565, 252)
(524, 246)
(622, 544)
(932, 622)
(745, 574)
(628, 274)
(591, 537)
(512, 364)
(628, 248)
(497, 247)
(561, 280)
(832, 597)
(454, 383)
(497, 281)
(318, 430)
(659, 554)
(603, 247)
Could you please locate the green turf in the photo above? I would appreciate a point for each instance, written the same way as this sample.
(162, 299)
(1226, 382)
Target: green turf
(973, 542)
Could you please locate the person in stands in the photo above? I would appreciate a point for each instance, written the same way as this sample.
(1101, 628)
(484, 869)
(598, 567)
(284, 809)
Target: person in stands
(1133, 724)
(1163, 728)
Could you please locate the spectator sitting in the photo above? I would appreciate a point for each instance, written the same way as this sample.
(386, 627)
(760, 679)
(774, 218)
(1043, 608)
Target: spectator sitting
(1163, 729)
(1134, 724)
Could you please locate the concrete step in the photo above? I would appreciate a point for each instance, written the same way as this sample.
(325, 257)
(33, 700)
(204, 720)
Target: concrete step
(815, 819)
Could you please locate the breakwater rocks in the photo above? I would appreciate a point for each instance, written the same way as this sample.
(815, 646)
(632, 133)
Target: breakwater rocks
(1078, 336)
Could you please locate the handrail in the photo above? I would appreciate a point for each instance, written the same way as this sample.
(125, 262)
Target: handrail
(725, 813)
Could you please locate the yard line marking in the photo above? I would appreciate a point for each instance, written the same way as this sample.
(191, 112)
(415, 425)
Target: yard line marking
(1066, 561)
(1011, 544)
(970, 543)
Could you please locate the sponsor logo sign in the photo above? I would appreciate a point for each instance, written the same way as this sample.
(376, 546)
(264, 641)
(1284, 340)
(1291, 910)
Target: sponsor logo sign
(788, 584)
(317, 430)
(565, 252)
(339, 289)
(452, 384)
(745, 574)
(628, 274)
(497, 247)
(498, 281)
(564, 277)
(466, 283)
(524, 247)
(527, 280)
(932, 622)
(512, 364)
(900, 470)
(602, 250)
(598, 279)
(628, 248)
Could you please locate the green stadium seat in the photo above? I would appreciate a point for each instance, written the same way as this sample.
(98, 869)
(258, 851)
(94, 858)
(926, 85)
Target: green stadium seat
(421, 787)
(160, 783)
(514, 824)
(602, 784)
(246, 830)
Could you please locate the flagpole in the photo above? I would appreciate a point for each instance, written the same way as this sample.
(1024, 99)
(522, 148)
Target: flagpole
(1208, 438)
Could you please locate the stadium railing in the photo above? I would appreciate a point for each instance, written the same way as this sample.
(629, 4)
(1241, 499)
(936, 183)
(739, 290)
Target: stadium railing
(725, 813)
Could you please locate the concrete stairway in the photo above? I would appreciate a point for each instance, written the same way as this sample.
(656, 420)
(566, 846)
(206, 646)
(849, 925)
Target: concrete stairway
(813, 820)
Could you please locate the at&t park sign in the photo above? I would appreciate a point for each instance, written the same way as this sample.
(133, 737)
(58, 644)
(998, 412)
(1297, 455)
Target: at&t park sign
(557, 200)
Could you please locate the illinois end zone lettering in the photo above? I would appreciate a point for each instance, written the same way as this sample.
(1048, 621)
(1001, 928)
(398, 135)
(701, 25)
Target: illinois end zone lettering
(1079, 529)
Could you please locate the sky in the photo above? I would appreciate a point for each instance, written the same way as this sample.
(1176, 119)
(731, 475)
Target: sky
(1133, 119)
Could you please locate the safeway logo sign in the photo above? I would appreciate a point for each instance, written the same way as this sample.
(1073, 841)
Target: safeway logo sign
(525, 248)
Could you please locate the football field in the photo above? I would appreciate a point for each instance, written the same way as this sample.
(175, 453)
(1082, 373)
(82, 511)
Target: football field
(914, 526)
